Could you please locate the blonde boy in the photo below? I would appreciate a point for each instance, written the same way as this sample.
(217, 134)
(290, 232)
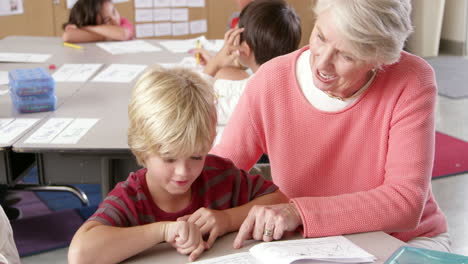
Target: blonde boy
(182, 193)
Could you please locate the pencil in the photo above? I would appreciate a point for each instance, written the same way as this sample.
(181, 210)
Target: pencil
(197, 55)
(66, 44)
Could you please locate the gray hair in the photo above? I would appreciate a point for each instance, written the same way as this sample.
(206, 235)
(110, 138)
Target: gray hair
(377, 29)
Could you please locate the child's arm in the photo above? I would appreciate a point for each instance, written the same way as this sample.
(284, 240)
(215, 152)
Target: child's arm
(95, 242)
(110, 32)
(220, 222)
(75, 35)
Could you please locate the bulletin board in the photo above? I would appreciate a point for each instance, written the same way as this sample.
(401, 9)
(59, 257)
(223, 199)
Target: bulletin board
(171, 19)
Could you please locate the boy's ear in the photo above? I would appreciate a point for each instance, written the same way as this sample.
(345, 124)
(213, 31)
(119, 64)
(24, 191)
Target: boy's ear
(244, 49)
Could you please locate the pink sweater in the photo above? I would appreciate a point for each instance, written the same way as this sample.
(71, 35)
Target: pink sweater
(364, 168)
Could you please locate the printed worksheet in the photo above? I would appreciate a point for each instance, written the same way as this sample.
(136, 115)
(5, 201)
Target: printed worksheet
(15, 128)
(75, 72)
(196, 3)
(49, 130)
(120, 73)
(131, 46)
(161, 14)
(181, 46)
(5, 121)
(238, 258)
(23, 57)
(75, 131)
(186, 62)
(198, 26)
(4, 77)
(162, 3)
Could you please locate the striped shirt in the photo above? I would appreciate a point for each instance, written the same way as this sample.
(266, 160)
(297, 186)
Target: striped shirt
(220, 186)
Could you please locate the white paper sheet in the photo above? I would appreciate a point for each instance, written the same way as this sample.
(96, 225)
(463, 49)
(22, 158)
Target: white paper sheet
(75, 72)
(143, 3)
(143, 15)
(179, 14)
(49, 130)
(75, 131)
(198, 26)
(183, 45)
(162, 14)
(237, 258)
(162, 29)
(162, 3)
(5, 121)
(178, 3)
(11, 7)
(336, 248)
(71, 3)
(15, 128)
(120, 73)
(131, 46)
(196, 3)
(4, 78)
(144, 30)
(23, 57)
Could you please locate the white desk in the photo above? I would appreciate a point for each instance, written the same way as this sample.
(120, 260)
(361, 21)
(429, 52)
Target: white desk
(378, 244)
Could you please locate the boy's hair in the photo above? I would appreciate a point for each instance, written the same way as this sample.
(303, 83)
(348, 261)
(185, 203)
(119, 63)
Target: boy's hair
(85, 12)
(172, 113)
(271, 28)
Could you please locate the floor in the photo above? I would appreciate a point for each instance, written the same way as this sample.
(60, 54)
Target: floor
(450, 192)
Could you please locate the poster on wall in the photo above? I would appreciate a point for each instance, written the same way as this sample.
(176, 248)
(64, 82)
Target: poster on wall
(11, 7)
(70, 3)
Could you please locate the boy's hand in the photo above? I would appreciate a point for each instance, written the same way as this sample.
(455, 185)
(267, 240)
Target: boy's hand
(213, 222)
(185, 237)
(228, 54)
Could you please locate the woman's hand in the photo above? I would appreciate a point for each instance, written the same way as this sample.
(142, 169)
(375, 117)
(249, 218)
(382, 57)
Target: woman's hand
(213, 222)
(185, 237)
(268, 222)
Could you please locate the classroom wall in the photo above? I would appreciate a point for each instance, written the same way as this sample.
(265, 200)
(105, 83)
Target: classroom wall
(454, 28)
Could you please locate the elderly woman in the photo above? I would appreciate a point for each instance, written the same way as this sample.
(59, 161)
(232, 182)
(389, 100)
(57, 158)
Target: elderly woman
(348, 125)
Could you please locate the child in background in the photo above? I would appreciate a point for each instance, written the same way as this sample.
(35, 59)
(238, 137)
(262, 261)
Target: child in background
(96, 20)
(267, 29)
(181, 194)
(8, 251)
(234, 19)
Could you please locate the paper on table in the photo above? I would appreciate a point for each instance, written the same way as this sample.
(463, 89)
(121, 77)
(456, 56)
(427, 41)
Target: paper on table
(183, 45)
(121, 73)
(161, 14)
(49, 130)
(73, 132)
(5, 121)
(179, 29)
(333, 249)
(75, 72)
(23, 57)
(131, 46)
(186, 62)
(237, 258)
(4, 77)
(15, 128)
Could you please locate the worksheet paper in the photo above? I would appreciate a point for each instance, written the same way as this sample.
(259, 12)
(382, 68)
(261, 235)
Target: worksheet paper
(75, 131)
(179, 29)
(75, 72)
(161, 14)
(143, 3)
(183, 45)
(131, 46)
(144, 30)
(162, 3)
(198, 26)
(337, 249)
(4, 77)
(162, 29)
(143, 15)
(179, 14)
(15, 128)
(49, 130)
(178, 3)
(23, 57)
(5, 121)
(120, 73)
(196, 3)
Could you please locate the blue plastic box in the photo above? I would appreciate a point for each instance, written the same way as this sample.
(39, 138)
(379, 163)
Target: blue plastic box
(25, 82)
(34, 103)
(412, 255)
